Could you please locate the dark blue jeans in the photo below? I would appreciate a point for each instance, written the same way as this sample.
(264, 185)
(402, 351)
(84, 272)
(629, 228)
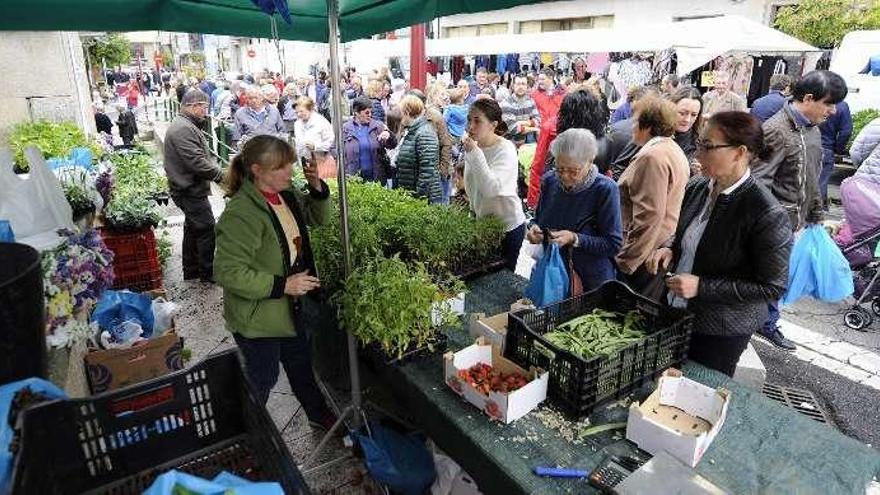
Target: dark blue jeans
(511, 246)
(772, 316)
(262, 356)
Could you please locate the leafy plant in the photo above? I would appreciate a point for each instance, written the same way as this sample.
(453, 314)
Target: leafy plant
(113, 50)
(860, 120)
(137, 174)
(130, 214)
(51, 138)
(824, 23)
(163, 246)
(388, 302)
(79, 199)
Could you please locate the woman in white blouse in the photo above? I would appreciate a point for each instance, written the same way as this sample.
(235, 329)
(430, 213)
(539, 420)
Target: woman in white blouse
(491, 167)
(313, 133)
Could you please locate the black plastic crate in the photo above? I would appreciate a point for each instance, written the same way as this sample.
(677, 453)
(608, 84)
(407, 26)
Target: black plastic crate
(578, 385)
(202, 420)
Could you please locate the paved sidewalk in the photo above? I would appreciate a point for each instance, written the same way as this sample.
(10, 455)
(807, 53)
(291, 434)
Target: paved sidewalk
(856, 363)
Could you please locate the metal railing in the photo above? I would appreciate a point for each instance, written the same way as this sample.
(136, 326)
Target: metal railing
(219, 135)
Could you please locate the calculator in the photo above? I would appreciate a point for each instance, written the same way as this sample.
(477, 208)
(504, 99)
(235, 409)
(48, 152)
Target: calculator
(611, 471)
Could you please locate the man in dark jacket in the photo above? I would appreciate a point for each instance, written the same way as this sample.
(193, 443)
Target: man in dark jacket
(836, 132)
(190, 170)
(792, 171)
(766, 106)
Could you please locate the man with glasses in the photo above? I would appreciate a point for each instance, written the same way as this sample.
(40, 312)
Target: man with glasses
(190, 169)
(792, 171)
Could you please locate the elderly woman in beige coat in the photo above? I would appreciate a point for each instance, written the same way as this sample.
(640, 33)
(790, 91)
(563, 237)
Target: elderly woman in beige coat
(651, 191)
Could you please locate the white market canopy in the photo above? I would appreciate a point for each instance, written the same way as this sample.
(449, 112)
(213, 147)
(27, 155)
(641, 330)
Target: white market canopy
(696, 42)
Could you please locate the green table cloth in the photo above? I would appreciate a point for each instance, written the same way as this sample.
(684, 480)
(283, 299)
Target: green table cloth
(763, 447)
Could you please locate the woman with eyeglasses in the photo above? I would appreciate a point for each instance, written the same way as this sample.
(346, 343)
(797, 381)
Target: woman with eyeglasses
(731, 248)
(365, 141)
(581, 209)
(651, 189)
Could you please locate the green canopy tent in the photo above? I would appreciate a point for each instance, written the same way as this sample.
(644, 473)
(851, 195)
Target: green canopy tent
(329, 21)
(357, 18)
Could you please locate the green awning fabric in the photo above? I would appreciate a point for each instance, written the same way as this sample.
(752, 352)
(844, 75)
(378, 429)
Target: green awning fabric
(357, 19)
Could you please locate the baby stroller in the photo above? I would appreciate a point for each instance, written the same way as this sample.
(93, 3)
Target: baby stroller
(858, 240)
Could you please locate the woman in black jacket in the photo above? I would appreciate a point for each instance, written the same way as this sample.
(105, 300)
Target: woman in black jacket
(732, 244)
(689, 114)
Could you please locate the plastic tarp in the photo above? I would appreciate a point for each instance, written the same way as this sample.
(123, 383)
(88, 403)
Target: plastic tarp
(357, 18)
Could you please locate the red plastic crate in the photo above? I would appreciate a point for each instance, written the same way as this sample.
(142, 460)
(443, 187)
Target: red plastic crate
(135, 260)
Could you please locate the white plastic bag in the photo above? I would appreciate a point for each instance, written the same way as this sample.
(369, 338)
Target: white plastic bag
(163, 312)
(34, 204)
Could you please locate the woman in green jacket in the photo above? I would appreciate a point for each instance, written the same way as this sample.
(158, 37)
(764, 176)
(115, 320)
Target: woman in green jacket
(419, 156)
(264, 264)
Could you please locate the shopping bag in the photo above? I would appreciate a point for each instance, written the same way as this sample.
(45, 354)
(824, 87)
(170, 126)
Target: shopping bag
(118, 310)
(817, 268)
(549, 282)
(401, 462)
(36, 204)
(6, 234)
(35, 387)
(175, 482)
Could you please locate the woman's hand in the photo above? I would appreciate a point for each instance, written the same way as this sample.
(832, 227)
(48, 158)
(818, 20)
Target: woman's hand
(310, 170)
(659, 260)
(310, 145)
(534, 235)
(684, 285)
(468, 142)
(384, 136)
(563, 238)
(300, 283)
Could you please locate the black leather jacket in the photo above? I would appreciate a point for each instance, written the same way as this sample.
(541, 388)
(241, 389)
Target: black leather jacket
(742, 257)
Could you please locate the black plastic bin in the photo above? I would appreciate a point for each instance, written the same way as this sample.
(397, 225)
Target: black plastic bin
(578, 385)
(201, 420)
(22, 313)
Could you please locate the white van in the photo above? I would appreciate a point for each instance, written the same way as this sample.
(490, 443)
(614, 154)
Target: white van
(849, 60)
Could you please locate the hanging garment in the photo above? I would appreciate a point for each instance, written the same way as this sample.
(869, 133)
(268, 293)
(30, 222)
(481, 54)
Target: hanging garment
(740, 70)
(493, 63)
(663, 65)
(501, 64)
(763, 69)
(562, 62)
(431, 67)
(634, 72)
(546, 59)
(525, 61)
(481, 61)
(597, 63)
(457, 68)
(513, 62)
(793, 66)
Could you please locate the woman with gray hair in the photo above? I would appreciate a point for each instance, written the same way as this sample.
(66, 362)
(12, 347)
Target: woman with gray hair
(581, 209)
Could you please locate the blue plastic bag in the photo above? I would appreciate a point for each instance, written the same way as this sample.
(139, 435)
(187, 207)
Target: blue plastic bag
(116, 307)
(401, 462)
(817, 268)
(224, 484)
(6, 234)
(7, 394)
(549, 282)
(82, 157)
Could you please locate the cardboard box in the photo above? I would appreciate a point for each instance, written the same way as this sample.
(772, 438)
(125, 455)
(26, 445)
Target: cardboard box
(502, 407)
(453, 304)
(681, 417)
(492, 328)
(110, 369)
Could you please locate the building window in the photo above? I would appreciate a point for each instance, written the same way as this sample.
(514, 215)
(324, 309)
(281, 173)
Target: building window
(548, 25)
(475, 30)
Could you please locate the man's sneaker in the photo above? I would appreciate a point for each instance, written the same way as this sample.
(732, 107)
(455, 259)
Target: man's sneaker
(776, 338)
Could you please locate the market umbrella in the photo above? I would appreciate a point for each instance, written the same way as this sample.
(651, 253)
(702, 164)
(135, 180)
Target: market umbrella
(329, 21)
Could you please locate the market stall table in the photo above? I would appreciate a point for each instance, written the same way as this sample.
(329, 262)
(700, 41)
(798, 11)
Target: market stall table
(762, 448)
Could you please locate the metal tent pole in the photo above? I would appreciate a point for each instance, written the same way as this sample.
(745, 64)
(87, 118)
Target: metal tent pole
(333, 21)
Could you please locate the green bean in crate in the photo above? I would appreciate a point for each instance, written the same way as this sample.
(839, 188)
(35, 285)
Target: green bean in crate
(598, 333)
(591, 345)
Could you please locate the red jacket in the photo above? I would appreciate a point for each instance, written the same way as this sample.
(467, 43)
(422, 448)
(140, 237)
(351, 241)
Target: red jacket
(548, 106)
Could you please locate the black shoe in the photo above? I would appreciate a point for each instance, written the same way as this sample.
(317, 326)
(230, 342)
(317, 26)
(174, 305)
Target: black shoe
(776, 338)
